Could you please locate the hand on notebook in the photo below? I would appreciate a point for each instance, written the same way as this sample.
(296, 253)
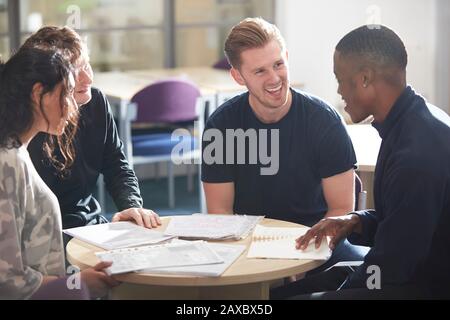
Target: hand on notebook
(97, 280)
(338, 228)
(143, 217)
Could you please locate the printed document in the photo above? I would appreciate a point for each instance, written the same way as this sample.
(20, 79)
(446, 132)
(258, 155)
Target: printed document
(157, 256)
(117, 235)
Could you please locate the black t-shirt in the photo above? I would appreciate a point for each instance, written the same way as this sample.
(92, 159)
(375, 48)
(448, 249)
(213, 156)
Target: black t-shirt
(313, 144)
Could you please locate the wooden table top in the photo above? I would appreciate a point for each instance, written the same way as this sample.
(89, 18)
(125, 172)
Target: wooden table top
(242, 271)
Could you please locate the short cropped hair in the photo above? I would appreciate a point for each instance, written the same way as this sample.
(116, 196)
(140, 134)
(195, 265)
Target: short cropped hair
(375, 44)
(250, 33)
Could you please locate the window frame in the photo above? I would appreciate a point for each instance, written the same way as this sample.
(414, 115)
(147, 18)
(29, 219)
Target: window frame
(168, 28)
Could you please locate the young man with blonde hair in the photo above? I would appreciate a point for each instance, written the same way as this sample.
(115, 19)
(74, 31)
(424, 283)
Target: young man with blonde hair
(314, 176)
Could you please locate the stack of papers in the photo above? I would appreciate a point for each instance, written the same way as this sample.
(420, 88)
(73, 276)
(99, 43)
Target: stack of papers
(279, 243)
(228, 253)
(117, 235)
(157, 256)
(212, 226)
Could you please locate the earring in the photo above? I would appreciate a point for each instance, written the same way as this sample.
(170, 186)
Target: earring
(364, 85)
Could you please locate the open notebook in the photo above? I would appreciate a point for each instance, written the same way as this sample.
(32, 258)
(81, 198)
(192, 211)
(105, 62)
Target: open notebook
(117, 235)
(157, 256)
(279, 243)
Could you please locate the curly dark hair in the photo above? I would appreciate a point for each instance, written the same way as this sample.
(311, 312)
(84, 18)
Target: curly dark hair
(17, 78)
(69, 44)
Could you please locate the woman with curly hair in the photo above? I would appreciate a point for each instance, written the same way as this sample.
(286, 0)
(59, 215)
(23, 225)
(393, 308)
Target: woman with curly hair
(36, 95)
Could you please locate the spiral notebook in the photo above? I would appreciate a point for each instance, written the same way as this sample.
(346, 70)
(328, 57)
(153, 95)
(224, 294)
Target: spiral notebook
(157, 256)
(279, 243)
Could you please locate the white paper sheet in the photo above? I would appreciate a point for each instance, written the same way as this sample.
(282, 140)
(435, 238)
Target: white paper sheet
(212, 226)
(157, 256)
(229, 253)
(117, 235)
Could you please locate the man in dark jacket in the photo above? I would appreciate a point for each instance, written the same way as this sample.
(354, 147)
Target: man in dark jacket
(409, 230)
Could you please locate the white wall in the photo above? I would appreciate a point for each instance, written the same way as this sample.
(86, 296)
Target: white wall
(312, 29)
(443, 55)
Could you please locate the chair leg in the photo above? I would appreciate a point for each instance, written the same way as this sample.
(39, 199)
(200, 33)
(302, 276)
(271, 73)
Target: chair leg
(190, 178)
(171, 183)
(157, 172)
(201, 193)
(101, 193)
(362, 200)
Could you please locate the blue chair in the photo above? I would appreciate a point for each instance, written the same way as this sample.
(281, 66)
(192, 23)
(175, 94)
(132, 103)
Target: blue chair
(171, 103)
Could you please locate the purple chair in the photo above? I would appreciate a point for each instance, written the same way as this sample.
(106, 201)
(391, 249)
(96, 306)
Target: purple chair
(169, 102)
(222, 64)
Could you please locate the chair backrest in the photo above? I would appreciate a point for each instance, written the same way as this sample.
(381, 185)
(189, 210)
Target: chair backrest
(360, 194)
(222, 64)
(167, 101)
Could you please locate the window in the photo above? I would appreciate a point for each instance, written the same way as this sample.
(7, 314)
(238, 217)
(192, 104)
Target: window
(203, 25)
(4, 39)
(142, 34)
(121, 35)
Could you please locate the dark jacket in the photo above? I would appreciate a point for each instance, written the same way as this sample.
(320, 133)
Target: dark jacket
(409, 231)
(98, 150)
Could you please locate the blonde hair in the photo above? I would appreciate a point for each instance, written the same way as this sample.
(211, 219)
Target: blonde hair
(250, 33)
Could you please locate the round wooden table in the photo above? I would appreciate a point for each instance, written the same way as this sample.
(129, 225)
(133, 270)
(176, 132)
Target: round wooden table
(244, 279)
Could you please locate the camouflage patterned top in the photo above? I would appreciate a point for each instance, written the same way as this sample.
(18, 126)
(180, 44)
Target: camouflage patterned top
(30, 227)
